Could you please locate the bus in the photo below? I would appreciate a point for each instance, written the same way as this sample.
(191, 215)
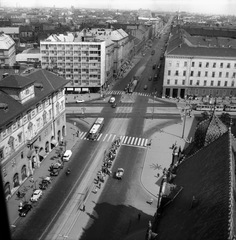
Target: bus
(95, 129)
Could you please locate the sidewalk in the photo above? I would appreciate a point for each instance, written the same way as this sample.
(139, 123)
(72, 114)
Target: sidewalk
(39, 173)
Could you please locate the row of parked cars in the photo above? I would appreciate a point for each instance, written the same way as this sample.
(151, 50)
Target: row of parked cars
(54, 169)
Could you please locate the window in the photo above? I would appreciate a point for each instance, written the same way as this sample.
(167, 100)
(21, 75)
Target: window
(183, 82)
(227, 74)
(176, 81)
(221, 65)
(191, 74)
(207, 64)
(212, 83)
(20, 137)
(191, 82)
(198, 82)
(205, 82)
(199, 74)
(235, 65)
(228, 65)
(218, 83)
(225, 84)
(184, 73)
(168, 81)
(206, 73)
(1, 154)
(185, 64)
(214, 65)
(232, 84)
(213, 74)
(177, 64)
(22, 155)
(234, 74)
(220, 74)
(169, 72)
(200, 64)
(193, 63)
(176, 73)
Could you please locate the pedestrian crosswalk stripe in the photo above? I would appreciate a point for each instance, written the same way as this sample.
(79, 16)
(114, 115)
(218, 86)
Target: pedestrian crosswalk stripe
(105, 137)
(99, 137)
(145, 144)
(125, 140)
(109, 138)
(113, 138)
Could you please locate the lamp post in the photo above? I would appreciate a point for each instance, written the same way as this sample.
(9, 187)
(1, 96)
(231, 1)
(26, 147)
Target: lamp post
(184, 122)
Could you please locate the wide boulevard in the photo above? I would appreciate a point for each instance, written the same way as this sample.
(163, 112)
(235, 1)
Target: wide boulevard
(120, 201)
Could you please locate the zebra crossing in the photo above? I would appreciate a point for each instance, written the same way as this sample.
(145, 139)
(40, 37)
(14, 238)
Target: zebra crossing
(125, 140)
(134, 93)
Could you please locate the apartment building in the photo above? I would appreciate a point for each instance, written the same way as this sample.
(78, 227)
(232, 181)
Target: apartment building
(33, 121)
(78, 59)
(197, 64)
(7, 50)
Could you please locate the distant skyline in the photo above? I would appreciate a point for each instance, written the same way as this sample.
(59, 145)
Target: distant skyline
(226, 7)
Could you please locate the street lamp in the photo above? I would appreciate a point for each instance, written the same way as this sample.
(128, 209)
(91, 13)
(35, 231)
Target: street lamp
(184, 122)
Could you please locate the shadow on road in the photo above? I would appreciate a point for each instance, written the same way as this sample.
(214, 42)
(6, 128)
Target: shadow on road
(125, 222)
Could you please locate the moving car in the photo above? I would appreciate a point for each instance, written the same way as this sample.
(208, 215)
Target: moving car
(120, 173)
(25, 209)
(112, 100)
(36, 195)
(145, 87)
(67, 155)
(80, 100)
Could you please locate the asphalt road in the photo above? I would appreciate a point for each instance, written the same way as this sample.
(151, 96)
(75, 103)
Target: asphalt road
(117, 205)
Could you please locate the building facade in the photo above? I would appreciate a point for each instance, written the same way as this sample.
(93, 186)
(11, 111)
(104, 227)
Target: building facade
(7, 50)
(199, 66)
(81, 62)
(32, 123)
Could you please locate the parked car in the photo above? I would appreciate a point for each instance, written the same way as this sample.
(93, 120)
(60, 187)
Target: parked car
(25, 209)
(55, 171)
(80, 100)
(112, 100)
(119, 173)
(36, 195)
(56, 165)
(67, 155)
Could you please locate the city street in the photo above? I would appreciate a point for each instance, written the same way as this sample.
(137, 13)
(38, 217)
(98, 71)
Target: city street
(118, 202)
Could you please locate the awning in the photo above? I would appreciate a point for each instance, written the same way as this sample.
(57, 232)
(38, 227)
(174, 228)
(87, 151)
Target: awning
(54, 142)
(85, 89)
(42, 153)
(30, 152)
(69, 89)
(78, 89)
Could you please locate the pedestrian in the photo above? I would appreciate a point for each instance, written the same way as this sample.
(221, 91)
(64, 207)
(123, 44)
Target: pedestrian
(99, 185)
(158, 174)
(139, 216)
(83, 209)
(32, 179)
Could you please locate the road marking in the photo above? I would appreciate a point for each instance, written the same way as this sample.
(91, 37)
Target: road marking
(128, 140)
(109, 137)
(125, 139)
(136, 139)
(113, 138)
(83, 135)
(99, 136)
(105, 137)
(142, 141)
(145, 144)
(139, 141)
(132, 140)
(122, 138)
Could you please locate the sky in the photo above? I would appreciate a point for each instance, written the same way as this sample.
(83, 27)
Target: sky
(225, 7)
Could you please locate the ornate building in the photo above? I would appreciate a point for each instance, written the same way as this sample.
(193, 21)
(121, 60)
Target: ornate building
(32, 110)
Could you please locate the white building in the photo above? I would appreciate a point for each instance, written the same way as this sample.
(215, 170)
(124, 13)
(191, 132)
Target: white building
(32, 109)
(199, 64)
(77, 60)
(7, 50)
